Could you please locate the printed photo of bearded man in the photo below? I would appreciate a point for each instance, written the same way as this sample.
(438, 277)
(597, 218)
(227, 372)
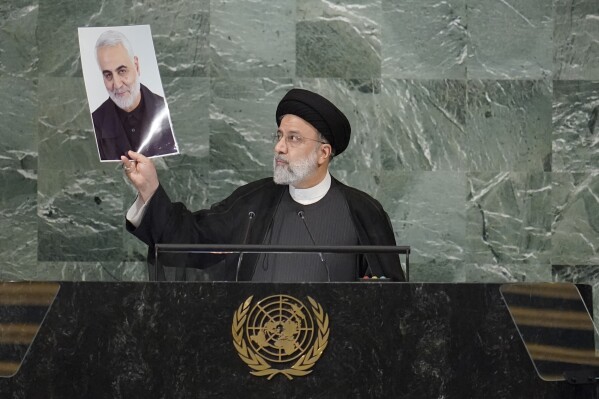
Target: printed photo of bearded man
(132, 118)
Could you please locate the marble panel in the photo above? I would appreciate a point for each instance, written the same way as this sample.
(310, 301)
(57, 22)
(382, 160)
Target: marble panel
(575, 201)
(577, 274)
(576, 39)
(18, 224)
(189, 101)
(189, 186)
(437, 271)
(180, 31)
(19, 52)
(357, 99)
(57, 31)
(252, 38)
(575, 126)
(504, 273)
(66, 136)
(338, 39)
(423, 125)
(583, 274)
(367, 180)
(509, 39)
(509, 219)
(508, 124)
(80, 215)
(18, 123)
(242, 123)
(431, 130)
(92, 271)
(427, 213)
(424, 39)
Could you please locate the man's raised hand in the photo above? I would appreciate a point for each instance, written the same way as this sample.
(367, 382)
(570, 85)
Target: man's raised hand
(142, 173)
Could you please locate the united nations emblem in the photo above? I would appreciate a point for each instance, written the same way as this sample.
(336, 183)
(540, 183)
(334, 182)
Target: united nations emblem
(280, 335)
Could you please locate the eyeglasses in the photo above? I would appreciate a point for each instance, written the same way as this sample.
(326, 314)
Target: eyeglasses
(293, 139)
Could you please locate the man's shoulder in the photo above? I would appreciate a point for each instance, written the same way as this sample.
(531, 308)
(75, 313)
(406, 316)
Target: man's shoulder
(152, 99)
(105, 107)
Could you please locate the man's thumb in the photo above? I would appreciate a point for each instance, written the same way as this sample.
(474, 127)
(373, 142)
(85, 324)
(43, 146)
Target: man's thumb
(136, 156)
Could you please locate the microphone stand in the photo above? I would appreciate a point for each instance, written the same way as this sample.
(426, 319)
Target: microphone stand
(301, 215)
(251, 216)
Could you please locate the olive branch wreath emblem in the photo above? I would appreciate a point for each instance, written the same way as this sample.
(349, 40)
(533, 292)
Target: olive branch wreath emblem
(261, 368)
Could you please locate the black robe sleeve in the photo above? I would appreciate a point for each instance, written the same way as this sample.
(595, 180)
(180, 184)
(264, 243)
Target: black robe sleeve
(225, 222)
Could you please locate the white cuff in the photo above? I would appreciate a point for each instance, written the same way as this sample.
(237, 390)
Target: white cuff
(136, 213)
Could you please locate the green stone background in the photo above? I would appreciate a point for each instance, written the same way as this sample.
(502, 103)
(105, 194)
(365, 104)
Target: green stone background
(475, 123)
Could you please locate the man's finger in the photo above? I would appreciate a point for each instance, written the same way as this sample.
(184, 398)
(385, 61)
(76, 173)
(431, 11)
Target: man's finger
(127, 164)
(136, 156)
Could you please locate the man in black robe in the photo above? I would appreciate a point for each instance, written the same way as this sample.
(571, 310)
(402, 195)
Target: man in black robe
(132, 118)
(301, 205)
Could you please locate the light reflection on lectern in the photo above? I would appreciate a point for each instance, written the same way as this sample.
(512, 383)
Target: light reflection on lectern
(23, 307)
(556, 328)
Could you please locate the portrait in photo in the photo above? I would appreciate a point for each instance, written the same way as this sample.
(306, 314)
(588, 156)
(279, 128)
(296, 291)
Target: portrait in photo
(124, 91)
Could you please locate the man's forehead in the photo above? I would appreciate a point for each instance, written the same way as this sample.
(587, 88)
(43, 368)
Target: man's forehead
(113, 56)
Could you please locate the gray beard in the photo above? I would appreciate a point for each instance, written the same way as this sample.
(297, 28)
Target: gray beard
(293, 173)
(126, 103)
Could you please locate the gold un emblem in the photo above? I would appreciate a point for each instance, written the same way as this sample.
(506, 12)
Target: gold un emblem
(280, 335)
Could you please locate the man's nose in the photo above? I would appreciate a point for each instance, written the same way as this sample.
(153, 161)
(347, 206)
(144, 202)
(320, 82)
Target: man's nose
(117, 81)
(281, 146)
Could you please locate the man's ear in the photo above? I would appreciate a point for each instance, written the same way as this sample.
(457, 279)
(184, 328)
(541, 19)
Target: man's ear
(325, 153)
(136, 62)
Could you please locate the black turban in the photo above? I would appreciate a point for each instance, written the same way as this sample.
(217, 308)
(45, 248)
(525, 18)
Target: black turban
(320, 113)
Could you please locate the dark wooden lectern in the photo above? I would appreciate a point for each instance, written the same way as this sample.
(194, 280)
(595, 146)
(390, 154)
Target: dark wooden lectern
(174, 340)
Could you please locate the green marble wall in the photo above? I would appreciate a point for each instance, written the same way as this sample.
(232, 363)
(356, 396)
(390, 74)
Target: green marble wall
(475, 124)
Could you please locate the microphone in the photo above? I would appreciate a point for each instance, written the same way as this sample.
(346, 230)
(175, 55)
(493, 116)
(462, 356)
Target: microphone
(301, 215)
(251, 216)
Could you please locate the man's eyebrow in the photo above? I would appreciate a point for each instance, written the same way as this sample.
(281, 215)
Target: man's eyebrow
(116, 69)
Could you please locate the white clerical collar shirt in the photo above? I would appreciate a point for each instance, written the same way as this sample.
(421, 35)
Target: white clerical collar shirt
(307, 196)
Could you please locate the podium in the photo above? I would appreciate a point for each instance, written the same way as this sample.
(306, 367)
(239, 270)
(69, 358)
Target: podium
(177, 340)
